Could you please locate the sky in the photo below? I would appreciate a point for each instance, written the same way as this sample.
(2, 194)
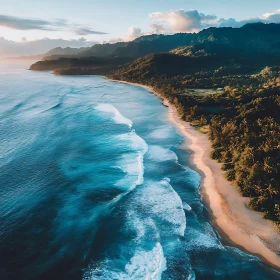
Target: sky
(35, 26)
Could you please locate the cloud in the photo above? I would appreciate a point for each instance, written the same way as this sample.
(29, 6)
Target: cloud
(10, 48)
(26, 24)
(133, 33)
(19, 23)
(192, 21)
(158, 28)
(272, 17)
(183, 21)
(87, 31)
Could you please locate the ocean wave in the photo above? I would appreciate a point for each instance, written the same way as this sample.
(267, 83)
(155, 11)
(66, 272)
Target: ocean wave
(132, 163)
(203, 241)
(159, 153)
(186, 206)
(144, 227)
(117, 116)
(155, 216)
(147, 265)
(160, 201)
(162, 132)
(168, 205)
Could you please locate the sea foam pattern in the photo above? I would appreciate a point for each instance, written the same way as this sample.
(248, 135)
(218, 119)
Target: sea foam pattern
(133, 163)
(117, 116)
(147, 265)
(94, 185)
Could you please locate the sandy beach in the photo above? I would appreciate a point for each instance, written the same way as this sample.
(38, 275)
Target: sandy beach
(230, 215)
(234, 221)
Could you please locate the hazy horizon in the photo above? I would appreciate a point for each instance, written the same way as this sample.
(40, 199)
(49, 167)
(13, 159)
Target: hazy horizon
(34, 28)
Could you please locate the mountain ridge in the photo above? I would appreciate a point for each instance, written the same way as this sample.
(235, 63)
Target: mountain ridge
(250, 39)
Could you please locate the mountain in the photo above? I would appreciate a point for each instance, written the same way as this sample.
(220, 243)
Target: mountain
(262, 38)
(154, 44)
(167, 64)
(98, 50)
(207, 49)
(259, 42)
(101, 49)
(63, 52)
(75, 66)
(259, 37)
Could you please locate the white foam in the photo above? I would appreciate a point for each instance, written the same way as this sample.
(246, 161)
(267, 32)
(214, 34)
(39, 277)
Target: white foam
(186, 206)
(136, 142)
(201, 240)
(161, 200)
(133, 163)
(159, 153)
(243, 254)
(143, 226)
(144, 265)
(162, 132)
(117, 116)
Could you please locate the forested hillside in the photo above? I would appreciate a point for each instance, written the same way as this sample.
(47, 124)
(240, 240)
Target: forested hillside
(242, 118)
(252, 39)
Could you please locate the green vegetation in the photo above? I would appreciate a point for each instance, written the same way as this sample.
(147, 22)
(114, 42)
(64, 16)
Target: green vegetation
(242, 118)
(243, 125)
(79, 66)
(251, 40)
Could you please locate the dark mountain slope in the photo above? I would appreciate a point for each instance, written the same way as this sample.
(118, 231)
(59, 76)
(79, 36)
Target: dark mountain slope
(62, 52)
(154, 44)
(261, 37)
(100, 50)
(65, 51)
(258, 41)
(75, 66)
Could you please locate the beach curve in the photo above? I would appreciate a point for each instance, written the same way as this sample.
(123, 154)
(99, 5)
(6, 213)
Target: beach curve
(229, 214)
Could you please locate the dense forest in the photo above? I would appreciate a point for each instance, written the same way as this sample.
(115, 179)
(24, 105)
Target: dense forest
(243, 123)
(242, 118)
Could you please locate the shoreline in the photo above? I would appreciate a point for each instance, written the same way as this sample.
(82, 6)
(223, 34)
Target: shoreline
(229, 214)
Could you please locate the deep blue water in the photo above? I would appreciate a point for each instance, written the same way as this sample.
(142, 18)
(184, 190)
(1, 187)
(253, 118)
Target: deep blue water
(95, 185)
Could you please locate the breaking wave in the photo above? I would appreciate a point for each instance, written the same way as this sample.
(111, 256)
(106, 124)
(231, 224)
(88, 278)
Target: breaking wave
(117, 116)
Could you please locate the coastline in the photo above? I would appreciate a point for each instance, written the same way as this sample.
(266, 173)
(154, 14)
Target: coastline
(229, 214)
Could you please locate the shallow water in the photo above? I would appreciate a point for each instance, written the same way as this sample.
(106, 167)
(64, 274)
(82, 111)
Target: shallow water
(95, 185)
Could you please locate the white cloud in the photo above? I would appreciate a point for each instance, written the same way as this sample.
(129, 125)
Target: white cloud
(158, 28)
(133, 33)
(183, 21)
(175, 21)
(272, 17)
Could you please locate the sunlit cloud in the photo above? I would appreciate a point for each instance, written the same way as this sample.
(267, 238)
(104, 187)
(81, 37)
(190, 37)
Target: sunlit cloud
(183, 21)
(133, 33)
(175, 21)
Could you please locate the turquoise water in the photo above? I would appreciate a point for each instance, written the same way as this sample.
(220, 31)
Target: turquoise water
(95, 185)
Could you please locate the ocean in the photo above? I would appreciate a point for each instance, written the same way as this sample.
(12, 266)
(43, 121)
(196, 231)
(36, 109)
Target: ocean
(95, 184)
